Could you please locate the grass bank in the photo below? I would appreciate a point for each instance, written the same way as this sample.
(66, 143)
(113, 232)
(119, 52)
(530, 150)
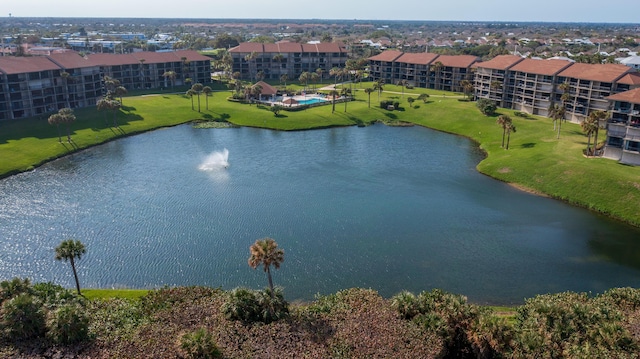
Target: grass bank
(536, 160)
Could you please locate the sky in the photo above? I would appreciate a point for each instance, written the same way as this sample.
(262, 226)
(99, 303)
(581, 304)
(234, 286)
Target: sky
(612, 11)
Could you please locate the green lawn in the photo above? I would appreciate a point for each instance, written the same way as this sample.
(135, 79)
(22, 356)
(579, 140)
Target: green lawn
(536, 160)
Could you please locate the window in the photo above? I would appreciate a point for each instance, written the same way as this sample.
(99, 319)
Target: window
(632, 146)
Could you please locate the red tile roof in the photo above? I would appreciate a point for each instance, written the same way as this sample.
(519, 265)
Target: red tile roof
(112, 59)
(462, 61)
(500, 62)
(632, 79)
(287, 47)
(422, 58)
(541, 67)
(596, 72)
(12, 65)
(71, 60)
(387, 56)
(631, 96)
(148, 56)
(266, 88)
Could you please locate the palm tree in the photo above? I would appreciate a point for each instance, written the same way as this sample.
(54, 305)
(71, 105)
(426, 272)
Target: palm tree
(504, 121)
(207, 91)
(589, 127)
(256, 91)
(403, 84)
(556, 112)
(120, 91)
(379, 86)
(368, 91)
(69, 250)
(56, 119)
(598, 115)
(284, 78)
(320, 71)
(65, 79)
(67, 116)
(436, 68)
(197, 89)
(335, 72)
(304, 77)
(171, 75)
(314, 78)
(510, 128)
(250, 58)
(278, 58)
(467, 87)
(333, 93)
(265, 251)
(345, 92)
(190, 93)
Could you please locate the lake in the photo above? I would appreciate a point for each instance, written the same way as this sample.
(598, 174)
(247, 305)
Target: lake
(379, 207)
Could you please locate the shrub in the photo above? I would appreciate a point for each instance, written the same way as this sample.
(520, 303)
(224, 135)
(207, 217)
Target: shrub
(68, 324)
(406, 304)
(486, 106)
(53, 295)
(22, 318)
(557, 324)
(251, 306)
(521, 114)
(623, 298)
(14, 287)
(199, 344)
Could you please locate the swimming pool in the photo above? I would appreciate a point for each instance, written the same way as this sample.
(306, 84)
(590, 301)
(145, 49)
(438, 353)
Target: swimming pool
(310, 101)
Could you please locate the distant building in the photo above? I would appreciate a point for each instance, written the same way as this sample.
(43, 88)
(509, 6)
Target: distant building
(623, 129)
(292, 59)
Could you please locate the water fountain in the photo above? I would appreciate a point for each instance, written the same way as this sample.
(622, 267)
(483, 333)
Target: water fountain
(216, 161)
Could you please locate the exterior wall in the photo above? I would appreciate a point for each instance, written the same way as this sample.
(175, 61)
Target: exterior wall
(444, 78)
(293, 64)
(484, 79)
(623, 133)
(585, 96)
(530, 93)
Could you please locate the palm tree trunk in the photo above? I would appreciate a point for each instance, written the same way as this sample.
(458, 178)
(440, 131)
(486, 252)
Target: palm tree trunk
(508, 139)
(59, 136)
(504, 130)
(68, 133)
(270, 282)
(115, 121)
(588, 144)
(75, 274)
(198, 102)
(595, 141)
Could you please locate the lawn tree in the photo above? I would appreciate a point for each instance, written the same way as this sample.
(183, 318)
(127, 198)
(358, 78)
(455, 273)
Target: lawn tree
(379, 86)
(284, 78)
(67, 117)
(510, 128)
(333, 93)
(589, 127)
(265, 252)
(504, 121)
(368, 91)
(423, 97)
(197, 89)
(69, 250)
(190, 93)
(171, 76)
(207, 92)
(467, 88)
(345, 92)
(598, 116)
(56, 119)
(410, 100)
(276, 109)
(486, 106)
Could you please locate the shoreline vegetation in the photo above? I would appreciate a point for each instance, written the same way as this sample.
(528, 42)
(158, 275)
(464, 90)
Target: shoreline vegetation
(536, 162)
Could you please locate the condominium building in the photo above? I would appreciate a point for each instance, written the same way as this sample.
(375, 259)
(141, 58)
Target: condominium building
(623, 128)
(492, 76)
(37, 85)
(286, 58)
(440, 72)
(532, 84)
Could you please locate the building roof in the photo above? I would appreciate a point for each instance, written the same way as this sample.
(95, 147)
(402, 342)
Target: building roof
(149, 57)
(386, 56)
(462, 61)
(500, 62)
(596, 72)
(631, 96)
(12, 65)
(266, 88)
(287, 47)
(71, 60)
(541, 67)
(421, 58)
(631, 78)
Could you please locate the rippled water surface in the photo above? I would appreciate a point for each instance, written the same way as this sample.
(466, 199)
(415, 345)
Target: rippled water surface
(380, 207)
